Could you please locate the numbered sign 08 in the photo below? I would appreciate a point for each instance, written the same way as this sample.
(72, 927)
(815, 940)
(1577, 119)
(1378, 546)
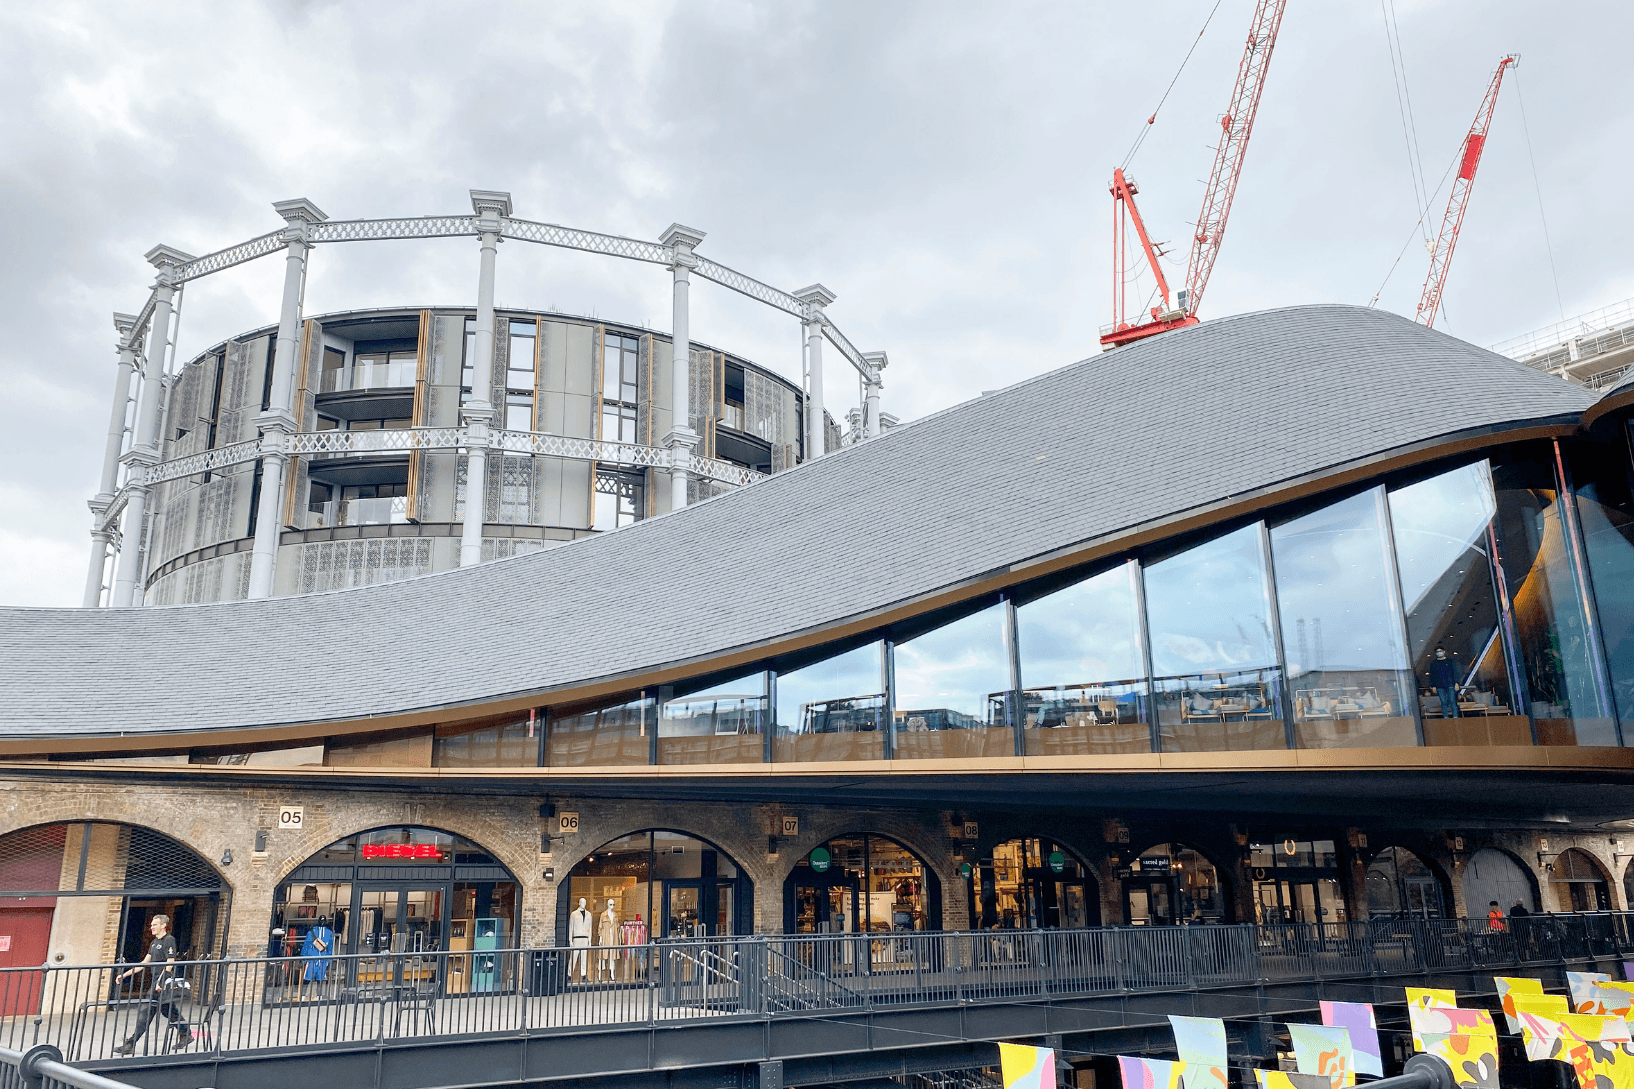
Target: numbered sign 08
(290, 818)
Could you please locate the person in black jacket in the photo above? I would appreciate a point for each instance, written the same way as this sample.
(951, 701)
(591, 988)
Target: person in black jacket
(161, 952)
(1444, 679)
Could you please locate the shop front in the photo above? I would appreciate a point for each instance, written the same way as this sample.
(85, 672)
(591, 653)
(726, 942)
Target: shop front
(395, 897)
(1172, 883)
(655, 884)
(1033, 883)
(861, 884)
(1296, 879)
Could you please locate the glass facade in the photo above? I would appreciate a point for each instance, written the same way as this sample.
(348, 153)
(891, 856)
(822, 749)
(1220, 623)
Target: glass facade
(645, 886)
(834, 709)
(1172, 884)
(950, 689)
(1214, 656)
(1342, 628)
(861, 884)
(1083, 671)
(1033, 883)
(724, 724)
(1463, 606)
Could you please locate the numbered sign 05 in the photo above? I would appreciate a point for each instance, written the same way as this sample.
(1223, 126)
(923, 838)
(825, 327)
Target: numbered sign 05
(290, 818)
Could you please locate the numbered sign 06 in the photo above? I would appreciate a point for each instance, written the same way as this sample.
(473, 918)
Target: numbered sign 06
(290, 818)
(569, 824)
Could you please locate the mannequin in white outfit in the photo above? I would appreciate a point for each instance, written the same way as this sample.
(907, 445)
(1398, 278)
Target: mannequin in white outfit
(578, 936)
(607, 938)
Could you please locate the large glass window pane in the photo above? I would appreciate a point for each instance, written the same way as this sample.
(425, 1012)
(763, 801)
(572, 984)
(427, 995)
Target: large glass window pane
(613, 734)
(724, 724)
(1213, 657)
(1341, 632)
(1548, 601)
(492, 745)
(1443, 555)
(1605, 510)
(950, 689)
(1083, 674)
(833, 709)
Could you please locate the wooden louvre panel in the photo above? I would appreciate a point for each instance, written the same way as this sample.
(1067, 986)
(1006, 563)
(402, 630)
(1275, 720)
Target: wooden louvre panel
(538, 371)
(303, 365)
(417, 418)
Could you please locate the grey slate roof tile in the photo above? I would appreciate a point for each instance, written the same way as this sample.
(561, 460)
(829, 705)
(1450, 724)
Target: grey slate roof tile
(1113, 442)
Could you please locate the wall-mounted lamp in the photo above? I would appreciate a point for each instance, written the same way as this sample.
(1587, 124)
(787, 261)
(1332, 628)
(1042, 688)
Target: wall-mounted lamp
(550, 873)
(260, 841)
(544, 843)
(227, 857)
(771, 846)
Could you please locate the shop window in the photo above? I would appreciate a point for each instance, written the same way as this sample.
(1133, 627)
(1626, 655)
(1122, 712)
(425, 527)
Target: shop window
(509, 744)
(644, 886)
(1400, 883)
(861, 884)
(1536, 558)
(393, 891)
(1605, 511)
(1172, 884)
(1215, 663)
(1083, 674)
(1342, 628)
(1296, 879)
(1033, 883)
(723, 724)
(833, 709)
(615, 733)
(951, 689)
(1577, 883)
(1443, 539)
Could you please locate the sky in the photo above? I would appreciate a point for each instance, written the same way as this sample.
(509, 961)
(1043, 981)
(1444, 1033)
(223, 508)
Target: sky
(942, 167)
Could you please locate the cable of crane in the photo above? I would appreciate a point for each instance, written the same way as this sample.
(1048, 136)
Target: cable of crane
(1404, 107)
(1538, 188)
(1428, 203)
(1150, 121)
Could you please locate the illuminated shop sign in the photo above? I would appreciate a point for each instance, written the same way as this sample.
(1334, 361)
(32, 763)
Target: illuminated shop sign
(402, 850)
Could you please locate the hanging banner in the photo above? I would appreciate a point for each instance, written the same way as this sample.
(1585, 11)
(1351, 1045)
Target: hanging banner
(1287, 1079)
(1581, 985)
(1358, 1018)
(1141, 1073)
(1025, 1067)
(1201, 1044)
(1324, 1050)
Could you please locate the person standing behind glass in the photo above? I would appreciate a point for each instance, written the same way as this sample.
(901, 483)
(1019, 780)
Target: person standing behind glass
(1444, 678)
(162, 951)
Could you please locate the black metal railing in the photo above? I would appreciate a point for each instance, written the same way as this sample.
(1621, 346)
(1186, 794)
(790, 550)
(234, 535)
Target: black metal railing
(225, 1006)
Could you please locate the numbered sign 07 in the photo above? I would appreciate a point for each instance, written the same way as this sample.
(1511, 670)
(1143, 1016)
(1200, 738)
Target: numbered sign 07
(290, 818)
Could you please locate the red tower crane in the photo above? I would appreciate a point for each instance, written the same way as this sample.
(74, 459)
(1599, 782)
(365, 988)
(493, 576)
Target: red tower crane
(1429, 304)
(1235, 128)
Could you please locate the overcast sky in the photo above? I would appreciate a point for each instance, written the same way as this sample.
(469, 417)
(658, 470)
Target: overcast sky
(941, 167)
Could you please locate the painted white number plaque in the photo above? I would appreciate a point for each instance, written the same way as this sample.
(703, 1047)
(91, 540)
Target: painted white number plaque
(290, 817)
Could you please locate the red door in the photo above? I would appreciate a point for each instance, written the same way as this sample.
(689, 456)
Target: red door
(25, 939)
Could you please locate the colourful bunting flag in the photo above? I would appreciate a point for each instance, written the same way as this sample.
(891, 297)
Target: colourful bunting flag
(1364, 1033)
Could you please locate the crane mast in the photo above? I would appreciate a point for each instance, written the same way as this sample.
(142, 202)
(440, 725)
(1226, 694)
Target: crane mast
(1235, 128)
(1429, 304)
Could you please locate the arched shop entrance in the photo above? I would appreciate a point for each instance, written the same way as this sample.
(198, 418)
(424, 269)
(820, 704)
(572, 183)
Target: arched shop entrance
(1296, 879)
(663, 885)
(1577, 883)
(1493, 875)
(88, 890)
(1032, 883)
(1172, 883)
(861, 884)
(402, 890)
(1399, 882)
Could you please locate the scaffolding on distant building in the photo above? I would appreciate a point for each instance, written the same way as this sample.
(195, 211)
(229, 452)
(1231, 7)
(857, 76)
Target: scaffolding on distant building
(1594, 349)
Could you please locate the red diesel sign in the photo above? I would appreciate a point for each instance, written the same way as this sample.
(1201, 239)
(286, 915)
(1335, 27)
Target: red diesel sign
(401, 850)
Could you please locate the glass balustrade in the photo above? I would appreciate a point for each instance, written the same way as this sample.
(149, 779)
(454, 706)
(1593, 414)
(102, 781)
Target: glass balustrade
(386, 511)
(386, 371)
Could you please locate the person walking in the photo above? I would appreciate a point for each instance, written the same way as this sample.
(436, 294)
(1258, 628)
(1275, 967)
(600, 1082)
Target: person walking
(164, 998)
(1444, 679)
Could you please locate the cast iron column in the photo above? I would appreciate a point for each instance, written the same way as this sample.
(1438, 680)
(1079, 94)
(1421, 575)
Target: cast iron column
(492, 209)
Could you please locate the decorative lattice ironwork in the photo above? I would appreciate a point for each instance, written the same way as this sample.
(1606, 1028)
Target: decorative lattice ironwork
(751, 287)
(356, 442)
(369, 230)
(563, 446)
(838, 339)
(110, 517)
(227, 258)
(613, 245)
(205, 461)
(725, 472)
(139, 329)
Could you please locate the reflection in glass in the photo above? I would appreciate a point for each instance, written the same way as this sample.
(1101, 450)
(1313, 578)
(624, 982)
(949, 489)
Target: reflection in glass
(1082, 673)
(1033, 883)
(833, 709)
(1605, 510)
(1443, 539)
(617, 733)
(497, 745)
(1550, 626)
(950, 688)
(1214, 660)
(1341, 633)
(724, 724)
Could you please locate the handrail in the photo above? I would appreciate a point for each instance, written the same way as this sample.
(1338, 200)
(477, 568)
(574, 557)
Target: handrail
(43, 1061)
(251, 1004)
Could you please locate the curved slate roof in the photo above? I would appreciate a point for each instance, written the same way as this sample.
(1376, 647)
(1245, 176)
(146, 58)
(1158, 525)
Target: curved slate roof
(1094, 449)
